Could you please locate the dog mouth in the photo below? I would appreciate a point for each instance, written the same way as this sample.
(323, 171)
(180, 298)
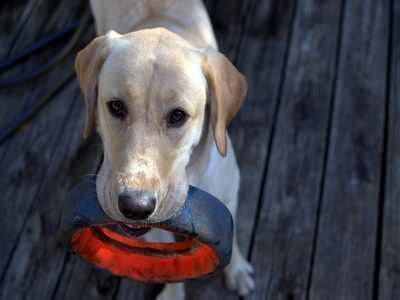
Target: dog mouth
(128, 230)
(133, 231)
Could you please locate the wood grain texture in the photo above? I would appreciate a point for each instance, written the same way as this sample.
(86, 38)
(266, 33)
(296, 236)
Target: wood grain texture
(389, 279)
(283, 242)
(38, 165)
(25, 159)
(14, 16)
(345, 248)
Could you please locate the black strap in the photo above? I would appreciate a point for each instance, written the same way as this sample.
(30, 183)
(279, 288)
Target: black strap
(27, 115)
(37, 46)
(27, 76)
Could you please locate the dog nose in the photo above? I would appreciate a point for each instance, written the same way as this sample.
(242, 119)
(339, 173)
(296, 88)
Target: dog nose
(136, 205)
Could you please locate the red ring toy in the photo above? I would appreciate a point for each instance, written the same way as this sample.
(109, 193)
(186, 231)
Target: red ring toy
(204, 223)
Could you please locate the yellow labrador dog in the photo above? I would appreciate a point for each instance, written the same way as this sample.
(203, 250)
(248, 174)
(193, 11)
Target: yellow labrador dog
(161, 97)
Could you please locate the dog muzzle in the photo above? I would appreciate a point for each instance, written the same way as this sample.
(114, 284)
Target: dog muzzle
(204, 227)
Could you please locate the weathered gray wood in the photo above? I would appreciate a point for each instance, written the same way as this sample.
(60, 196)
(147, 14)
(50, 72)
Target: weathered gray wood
(229, 18)
(20, 165)
(211, 7)
(389, 275)
(13, 17)
(129, 289)
(283, 243)
(34, 263)
(26, 31)
(345, 248)
(81, 281)
(39, 165)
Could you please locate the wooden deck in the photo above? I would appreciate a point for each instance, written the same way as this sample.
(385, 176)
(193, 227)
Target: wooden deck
(318, 143)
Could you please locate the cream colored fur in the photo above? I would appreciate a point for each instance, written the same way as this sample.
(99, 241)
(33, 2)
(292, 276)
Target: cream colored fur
(160, 54)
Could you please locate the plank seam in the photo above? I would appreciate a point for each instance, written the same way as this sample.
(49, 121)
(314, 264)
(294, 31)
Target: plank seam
(27, 137)
(385, 157)
(117, 289)
(31, 208)
(60, 275)
(29, 97)
(242, 30)
(273, 129)
(21, 28)
(327, 147)
(31, 87)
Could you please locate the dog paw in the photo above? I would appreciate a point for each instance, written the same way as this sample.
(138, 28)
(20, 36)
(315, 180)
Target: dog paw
(172, 291)
(239, 276)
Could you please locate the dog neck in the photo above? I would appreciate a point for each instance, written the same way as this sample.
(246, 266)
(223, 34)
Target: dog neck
(187, 18)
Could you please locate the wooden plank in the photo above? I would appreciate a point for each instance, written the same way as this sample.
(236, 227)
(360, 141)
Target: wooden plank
(32, 26)
(261, 59)
(46, 274)
(15, 157)
(345, 248)
(13, 17)
(389, 275)
(282, 248)
(35, 26)
(81, 281)
(28, 264)
(211, 6)
(39, 162)
(27, 30)
(229, 19)
(130, 289)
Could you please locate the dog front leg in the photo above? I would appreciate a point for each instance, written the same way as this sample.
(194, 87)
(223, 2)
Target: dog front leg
(239, 272)
(172, 291)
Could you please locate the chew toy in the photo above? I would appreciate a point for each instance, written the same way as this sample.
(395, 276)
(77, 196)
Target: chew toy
(204, 225)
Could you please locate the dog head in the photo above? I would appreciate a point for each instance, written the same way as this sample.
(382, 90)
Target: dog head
(147, 92)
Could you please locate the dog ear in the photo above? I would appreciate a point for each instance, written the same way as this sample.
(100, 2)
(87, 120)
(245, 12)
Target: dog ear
(88, 64)
(227, 88)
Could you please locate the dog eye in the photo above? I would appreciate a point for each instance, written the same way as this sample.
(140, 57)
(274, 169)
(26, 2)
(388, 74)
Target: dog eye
(176, 117)
(117, 109)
